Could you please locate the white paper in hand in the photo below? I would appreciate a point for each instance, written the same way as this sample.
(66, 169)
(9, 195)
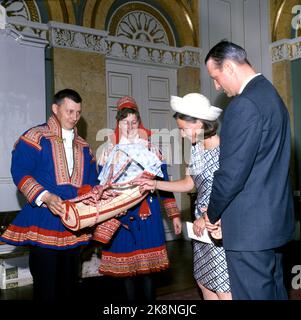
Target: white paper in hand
(203, 238)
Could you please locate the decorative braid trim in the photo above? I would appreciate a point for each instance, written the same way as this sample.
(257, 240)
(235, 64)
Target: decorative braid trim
(171, 208)
(30, 188)
(133, 263)
(104, 231)
(23, 235)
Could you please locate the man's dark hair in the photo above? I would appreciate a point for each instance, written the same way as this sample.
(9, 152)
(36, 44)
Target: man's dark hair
(66, 93)
(210, 127)
(227, 50)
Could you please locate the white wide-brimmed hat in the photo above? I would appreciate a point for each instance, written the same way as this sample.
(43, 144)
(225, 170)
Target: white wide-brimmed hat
(195, 105)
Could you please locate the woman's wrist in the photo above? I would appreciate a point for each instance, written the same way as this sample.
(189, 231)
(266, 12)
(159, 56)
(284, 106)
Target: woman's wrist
(154, 187)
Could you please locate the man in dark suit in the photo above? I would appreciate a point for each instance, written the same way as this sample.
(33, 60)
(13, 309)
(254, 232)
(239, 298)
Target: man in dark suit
(251, 191)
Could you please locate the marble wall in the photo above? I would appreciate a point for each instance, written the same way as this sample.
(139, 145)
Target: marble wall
(85, 73)
(281, 16)
(188, 81)
(282, 79)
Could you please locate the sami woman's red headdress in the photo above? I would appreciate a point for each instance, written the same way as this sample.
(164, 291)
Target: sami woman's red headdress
(130, 103)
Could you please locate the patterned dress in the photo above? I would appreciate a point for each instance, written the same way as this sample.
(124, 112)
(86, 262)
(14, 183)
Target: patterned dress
(210, 266)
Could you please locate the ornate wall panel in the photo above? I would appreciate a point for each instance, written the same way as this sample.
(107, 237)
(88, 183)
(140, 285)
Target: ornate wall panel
(286, 50)
(139, 21)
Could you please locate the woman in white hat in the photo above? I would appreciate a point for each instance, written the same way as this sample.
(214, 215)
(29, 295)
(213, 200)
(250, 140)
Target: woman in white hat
(194, 116)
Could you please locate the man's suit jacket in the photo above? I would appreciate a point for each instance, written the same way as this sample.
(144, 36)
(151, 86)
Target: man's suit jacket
(251, 191)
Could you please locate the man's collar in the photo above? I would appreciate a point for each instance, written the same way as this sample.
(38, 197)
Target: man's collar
(245, 83)
(56, 128)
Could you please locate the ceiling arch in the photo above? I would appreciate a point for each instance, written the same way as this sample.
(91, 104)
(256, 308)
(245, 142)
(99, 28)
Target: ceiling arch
(181, 15)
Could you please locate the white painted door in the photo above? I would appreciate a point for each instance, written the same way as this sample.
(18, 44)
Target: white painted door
(151, 87)
(245, 22)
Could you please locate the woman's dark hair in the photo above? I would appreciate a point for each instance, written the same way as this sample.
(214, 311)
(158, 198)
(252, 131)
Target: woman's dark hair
(123, 113)
(227, 50)
(210, 127)
(66, 93)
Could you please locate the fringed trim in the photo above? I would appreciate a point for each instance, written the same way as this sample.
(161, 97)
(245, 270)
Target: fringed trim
(133, 263)
(171, 208)
(23, 235)
(30, 188)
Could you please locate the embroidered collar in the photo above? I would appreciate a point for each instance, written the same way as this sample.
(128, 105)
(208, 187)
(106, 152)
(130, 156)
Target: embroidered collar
(56, 128)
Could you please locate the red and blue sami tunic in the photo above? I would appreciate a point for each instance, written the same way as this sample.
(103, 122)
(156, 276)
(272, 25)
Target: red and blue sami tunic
(39, 163)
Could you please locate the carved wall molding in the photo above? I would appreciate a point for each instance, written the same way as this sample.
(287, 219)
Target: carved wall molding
(28, 28)
(78, 38)
(69, 36)
(60, 35)
(27, 35)
(287, 49)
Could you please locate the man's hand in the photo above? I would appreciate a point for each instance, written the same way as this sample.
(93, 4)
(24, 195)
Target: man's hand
(217, 234)
(54, 203)
(211, 227)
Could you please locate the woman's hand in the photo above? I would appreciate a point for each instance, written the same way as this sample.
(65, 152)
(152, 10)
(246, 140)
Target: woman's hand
(177, 225)
(199, 226)
(145, 184)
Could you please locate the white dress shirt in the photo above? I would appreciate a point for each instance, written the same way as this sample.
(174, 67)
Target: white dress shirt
(247, 81)
(68, 136)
